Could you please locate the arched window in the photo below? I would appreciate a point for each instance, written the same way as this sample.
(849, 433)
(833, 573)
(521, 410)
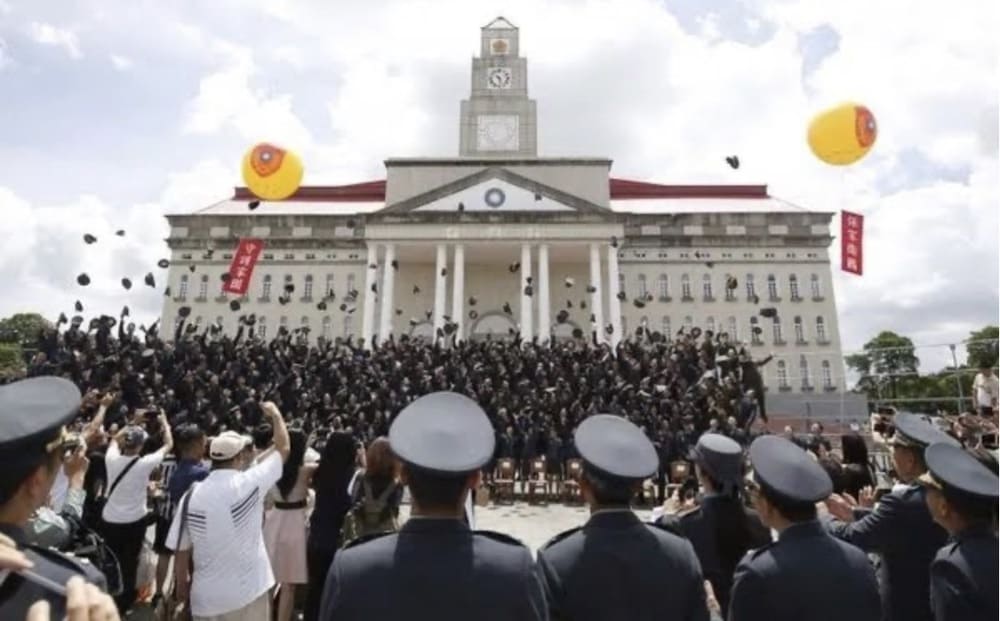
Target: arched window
(754, 331)
(621, 281)
(804, 371)
(350, 285)
(182, 291)
(820, 330)
(347, 325)
(732, 329)
(800, 335)
(307, 288)
(751, 290)
(283, 323)
(329, 285)
(730, 293)
(624, 321)
(265, 292)
(685, 287)
(776, 327)
(262, 328)
(706, 286)
(642, 286)
(203, 287)
(289, 280)
(688, 322)
(222, 287)
(326, 327)
(710, 324)
(817, 293)
(665, 326)
(793, 287)
(782, 375)
(827, 374)
(772, 287)
(664, 287)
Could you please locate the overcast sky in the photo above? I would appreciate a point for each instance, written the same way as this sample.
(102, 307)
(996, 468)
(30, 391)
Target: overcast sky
(114, 112)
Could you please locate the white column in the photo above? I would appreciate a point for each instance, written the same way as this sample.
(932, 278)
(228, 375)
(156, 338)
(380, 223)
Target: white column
(458, 292)
(368, 312)
(596, 304)
(614, 304)
(440, 282)
(388, 284)
(544, 308)
(526, 333)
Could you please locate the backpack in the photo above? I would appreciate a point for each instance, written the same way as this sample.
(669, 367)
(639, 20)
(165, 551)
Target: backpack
(370, 514)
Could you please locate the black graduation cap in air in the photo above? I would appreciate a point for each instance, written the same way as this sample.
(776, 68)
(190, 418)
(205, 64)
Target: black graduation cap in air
(609, 329)
(769, 312)
(374, 287)
(562, 317)
(639, 303)
(88, 238)
(449, 328)
(208, 253)
(283, 300)
(507, 309)
(78, 306)
(428, 314)
(351, 224)
(253, 205)
(191, 268)
(528, 280)
(289, 288)
(461, 206)
(166, 292)
(62, 318)
(125, 311)
(163, 263)
(583, 304)
(513, 267)
(733, 161)
(757, 330)
(224, 277)
(399, 311)
(621, 296)
(756, 299)
(416, 290)
(614, 241)
(569, 282)
(413, 321)
(234, 305)
(472, 300)
(538, 196)
(709, 264)
(591, 289)
(343, 307)
(444, 272)
(473, 314)
(83, 280)
(184, 311)
(120, 232)
(569, 303)
(321, 306)
(126, 283)
(149, 280)
(731, 283)
(395, 264)
(373, 266)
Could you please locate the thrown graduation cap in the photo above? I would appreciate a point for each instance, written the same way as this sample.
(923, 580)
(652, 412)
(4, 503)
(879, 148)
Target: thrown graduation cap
(577, 333)
(528, 280)
(399, 311)
(416, 290)
(184, 311)
(343, 307)
(289, 288)
(461, 206)
(88, 238)
(757, 330)
(583, 304)
(733, 161)
(208, 253)
(562, 316)
(731, 283)
(444, 272)
(163, 263)
(569, 282)
(78, 306)
(62, 318)
(472, 300)
(473, 314)
(166, 292)
(507, 309)
(149, 280)
(591, 289)
(614, 241)
(351, 224)
(373, 266)
(125, 311)
(528, 291)
(321, 306)
(769, 312)
(83, 280)
(449, 328)
(755, 299)
(513, 267)
(283, 300)
(394, 264)
(709, 264)
(120, 232)
(413, 321)
(126, 283)
(538, 196)
(253, 205)
(428, 314)
(609, 329)
(191, 268)
(234, 305)
(621, 296)
(639, 303)
(569, 303)
(224, 277)
(374, 287)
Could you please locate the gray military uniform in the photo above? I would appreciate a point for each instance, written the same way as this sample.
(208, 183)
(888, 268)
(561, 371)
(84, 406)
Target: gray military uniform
(616, 567)
(435, 569)
(964, 578)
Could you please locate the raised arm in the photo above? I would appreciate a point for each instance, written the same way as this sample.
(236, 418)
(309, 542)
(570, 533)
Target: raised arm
(281, 441)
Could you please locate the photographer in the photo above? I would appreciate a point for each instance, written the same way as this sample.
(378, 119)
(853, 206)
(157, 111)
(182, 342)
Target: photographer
(51, 529)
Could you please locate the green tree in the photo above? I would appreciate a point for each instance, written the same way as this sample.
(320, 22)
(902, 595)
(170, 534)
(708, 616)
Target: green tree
(982, 348)
(11, 359)
(885, 360)
(22, 328)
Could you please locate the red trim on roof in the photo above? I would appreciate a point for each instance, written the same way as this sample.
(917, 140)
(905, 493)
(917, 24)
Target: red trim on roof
(628, 189)
(367, 192)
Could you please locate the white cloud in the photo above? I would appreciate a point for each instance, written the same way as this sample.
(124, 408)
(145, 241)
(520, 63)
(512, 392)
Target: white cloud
(4, 8)
(122, 63)
(47, 34)
(4, 56)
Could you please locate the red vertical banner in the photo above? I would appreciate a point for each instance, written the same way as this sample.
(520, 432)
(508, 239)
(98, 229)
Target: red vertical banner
(852, 227)
(241, 269)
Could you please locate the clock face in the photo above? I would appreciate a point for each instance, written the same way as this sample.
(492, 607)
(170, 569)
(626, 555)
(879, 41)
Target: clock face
(498, 78)
(497, 132)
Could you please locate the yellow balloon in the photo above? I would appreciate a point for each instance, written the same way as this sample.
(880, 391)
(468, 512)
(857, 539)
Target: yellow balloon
(843, 134)
(271, 173)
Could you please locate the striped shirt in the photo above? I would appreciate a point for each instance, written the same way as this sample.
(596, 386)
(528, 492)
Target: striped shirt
(224, 527)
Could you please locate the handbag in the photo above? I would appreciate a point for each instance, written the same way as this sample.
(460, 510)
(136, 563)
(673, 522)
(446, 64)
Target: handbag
(87, 544)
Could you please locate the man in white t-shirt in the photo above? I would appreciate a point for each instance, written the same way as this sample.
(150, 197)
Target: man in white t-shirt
(218, 525)
(985, 390)
(124, 515)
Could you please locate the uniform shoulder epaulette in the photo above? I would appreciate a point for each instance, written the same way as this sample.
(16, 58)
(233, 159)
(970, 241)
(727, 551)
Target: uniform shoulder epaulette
(560, 537)
(366, 538)
(501, 537)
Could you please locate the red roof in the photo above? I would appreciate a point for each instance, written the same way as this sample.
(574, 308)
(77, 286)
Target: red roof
(620, 189)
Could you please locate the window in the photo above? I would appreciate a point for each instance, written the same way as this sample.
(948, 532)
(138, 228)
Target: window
(182, 291)
(710, 324)
(751, 291)
(793, 287)
(262, 328)
(624, 327)
(621, 282)
(326, 327)
(307, 288)
(730, 293)
(804, 372)
(686, 287)
(665, 326)
(283, 323)
(688, 322)
(305, 321)
(203, 287)
(642, 286)
(347, 325)
(776, 327)
(350, 284)
(827, 375)
(289, 280)
(820, 330)
(782, 375)
(222, 288)
(732, 329)
(755, 331)
(664, 287)
(800, 336)
(814, 287)
(644, 321)
(265, 292)
(329, 285)
(706, 285)
(772, 287)
(290, 256)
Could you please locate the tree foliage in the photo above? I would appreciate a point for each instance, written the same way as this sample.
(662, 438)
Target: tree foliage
(885, 359)
(982, 348)
(22, 328)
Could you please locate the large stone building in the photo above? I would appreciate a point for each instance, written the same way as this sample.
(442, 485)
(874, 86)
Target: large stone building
(464, 239)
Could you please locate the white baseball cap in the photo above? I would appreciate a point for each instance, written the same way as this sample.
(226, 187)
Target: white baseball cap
(227, 445)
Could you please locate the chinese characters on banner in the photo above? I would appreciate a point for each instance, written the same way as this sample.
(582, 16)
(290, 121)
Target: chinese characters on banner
(851, 234)
(241, 268)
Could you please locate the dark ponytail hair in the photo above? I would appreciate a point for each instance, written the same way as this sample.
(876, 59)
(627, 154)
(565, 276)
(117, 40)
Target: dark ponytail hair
(296, 454)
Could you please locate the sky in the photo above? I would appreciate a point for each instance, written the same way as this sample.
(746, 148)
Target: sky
(114, 112)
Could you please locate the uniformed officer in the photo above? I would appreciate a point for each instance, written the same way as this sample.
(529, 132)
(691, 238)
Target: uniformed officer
(900, 528)
(435, 567)
(806, 573)
(720, 528)
(615, 566)
(33, 443)
(962, 498)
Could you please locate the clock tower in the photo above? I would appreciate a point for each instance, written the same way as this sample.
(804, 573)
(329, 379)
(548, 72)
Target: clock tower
(498, 119)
